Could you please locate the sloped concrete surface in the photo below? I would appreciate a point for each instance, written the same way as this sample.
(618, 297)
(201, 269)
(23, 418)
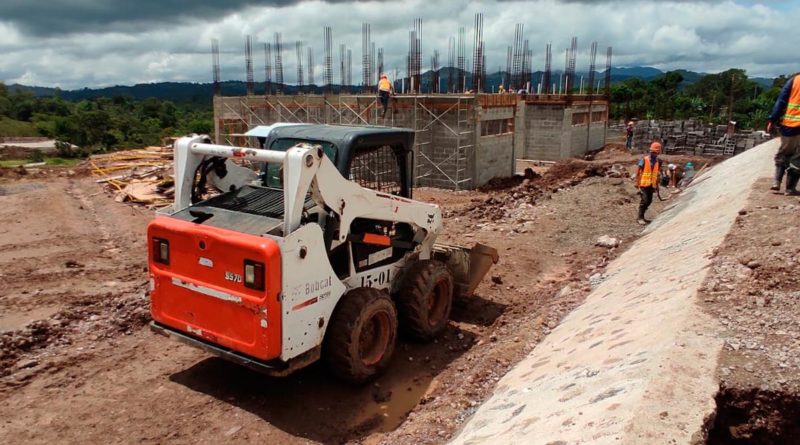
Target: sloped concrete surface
(635, 363)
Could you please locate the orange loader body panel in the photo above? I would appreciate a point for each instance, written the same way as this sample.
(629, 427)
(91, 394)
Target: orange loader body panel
(201, 292)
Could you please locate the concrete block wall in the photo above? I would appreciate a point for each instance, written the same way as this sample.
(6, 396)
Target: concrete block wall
(494, 158)
(544, 125)
(574, 136)
(494, 154)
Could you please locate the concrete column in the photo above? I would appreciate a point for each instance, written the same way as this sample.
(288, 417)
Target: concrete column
(520, 135)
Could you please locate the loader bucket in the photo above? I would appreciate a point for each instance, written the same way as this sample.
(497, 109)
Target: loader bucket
(468, 266)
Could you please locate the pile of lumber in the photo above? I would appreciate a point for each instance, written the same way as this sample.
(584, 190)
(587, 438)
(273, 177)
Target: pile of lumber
(141, 176)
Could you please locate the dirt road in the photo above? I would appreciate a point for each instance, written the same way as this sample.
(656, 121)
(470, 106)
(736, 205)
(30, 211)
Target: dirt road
(78, 365)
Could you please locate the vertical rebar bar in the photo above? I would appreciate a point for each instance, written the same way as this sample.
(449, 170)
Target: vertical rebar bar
(592, 59)
(516, 73)
(299, 49)
(215, 67)
(461, 83)
(548, 57)
(569, 77)
(607, 85)
(267, 69)
(327, 74)
(349, 67)
(248, 63)
(310, 68)
(278, 64)
(450, 62)
(477, 54)
(342, 70)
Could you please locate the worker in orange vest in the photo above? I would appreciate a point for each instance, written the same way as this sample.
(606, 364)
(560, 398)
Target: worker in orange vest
(647, 179)
(786, 116)
(385, 89)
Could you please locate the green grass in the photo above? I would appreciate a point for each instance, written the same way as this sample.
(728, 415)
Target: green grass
(11, 127)
(50, 161)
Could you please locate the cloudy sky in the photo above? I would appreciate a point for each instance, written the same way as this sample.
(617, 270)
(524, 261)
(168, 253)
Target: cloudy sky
(93, 43)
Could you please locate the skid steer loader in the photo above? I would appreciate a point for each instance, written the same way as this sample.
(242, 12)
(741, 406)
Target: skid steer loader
(322, 255)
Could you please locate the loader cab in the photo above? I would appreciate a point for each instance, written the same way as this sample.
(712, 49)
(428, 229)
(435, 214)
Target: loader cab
(378, 158)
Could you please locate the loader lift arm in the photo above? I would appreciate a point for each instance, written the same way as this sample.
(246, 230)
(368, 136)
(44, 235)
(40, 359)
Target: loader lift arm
(307, 170)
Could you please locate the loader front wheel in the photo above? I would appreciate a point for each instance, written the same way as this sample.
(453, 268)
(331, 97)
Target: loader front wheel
(361, 338)
(424, 299)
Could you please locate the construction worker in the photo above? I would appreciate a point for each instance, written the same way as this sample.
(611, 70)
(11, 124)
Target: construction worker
(385, 90)
(672, 174)
(786, 116)
(647, 179)
(629, 136)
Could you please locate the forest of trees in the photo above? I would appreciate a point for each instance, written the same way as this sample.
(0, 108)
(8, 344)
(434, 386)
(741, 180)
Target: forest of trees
(99, 124)
(715, 98)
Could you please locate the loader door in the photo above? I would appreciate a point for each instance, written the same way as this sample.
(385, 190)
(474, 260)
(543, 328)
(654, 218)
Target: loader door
(382, 168)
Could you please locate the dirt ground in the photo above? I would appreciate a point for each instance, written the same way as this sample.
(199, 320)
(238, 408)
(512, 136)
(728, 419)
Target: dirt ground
(77, 363)
(754, 290)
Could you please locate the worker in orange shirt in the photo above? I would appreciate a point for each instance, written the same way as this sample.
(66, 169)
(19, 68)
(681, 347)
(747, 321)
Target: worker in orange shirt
(385, 90)
(647, 179)
(786, 117)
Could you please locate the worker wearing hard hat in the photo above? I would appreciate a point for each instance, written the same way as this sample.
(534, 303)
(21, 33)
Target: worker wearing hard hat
(647, 179)
(786, 116)
(385, 89)
(629, 136)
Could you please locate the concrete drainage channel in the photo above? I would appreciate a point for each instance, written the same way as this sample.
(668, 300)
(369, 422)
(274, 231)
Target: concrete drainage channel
(637, 363)
(755, 417)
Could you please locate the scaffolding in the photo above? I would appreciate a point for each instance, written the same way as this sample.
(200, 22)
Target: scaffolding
(444, 125)
(445, 140)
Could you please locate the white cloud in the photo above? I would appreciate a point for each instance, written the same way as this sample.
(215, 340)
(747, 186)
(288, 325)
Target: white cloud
(702, 36)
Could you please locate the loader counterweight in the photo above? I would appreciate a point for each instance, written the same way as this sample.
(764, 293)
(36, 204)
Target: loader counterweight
(203, 290)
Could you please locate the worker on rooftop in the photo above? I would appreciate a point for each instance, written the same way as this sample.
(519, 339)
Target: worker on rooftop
(385, 90)
(647, 179)
(786, 116)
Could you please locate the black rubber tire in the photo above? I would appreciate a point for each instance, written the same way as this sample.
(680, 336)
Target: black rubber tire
(424, 299)
(358, 314)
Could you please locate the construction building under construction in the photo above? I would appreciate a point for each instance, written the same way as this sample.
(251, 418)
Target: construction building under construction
(465, 134)
(462, 141)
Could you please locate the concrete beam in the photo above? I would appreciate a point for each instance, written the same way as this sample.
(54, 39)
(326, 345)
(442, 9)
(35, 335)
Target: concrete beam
(636, 362)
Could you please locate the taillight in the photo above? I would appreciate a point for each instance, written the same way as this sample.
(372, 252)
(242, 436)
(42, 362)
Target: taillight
(253, 275)
(161, 251)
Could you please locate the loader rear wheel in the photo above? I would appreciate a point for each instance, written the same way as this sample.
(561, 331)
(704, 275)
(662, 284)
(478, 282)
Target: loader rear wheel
(361, 338)
(424, 299)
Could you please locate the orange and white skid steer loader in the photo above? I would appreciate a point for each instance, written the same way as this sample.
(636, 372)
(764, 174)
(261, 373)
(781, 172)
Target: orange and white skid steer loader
(322, 254)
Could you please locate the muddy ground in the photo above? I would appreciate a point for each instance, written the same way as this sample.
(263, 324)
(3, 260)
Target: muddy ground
(77, 363)
(754, 290)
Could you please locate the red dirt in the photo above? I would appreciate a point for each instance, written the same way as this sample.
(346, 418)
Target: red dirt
(78, 366)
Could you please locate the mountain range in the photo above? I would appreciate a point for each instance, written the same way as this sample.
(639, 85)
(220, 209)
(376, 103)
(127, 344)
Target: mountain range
(201, 93)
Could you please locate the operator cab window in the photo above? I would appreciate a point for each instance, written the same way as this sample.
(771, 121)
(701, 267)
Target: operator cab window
(272, 174)
(377, 169)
